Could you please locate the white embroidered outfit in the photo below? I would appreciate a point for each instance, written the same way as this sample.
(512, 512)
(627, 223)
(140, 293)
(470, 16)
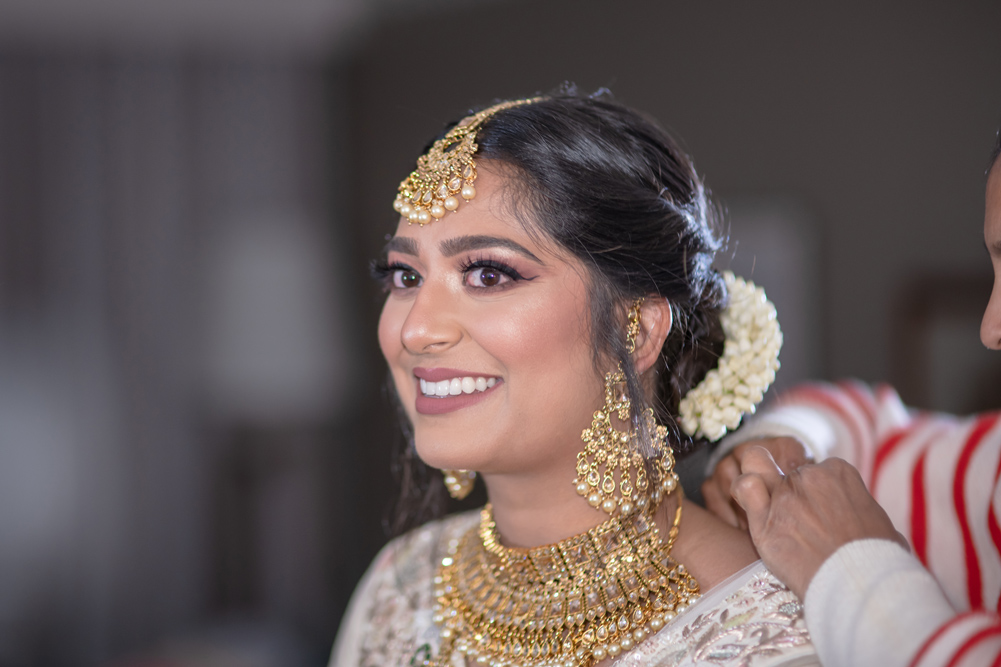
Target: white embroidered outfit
(749, 620)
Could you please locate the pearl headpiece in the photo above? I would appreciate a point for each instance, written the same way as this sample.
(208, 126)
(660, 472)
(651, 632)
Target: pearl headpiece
(447, 171)
(745, 369)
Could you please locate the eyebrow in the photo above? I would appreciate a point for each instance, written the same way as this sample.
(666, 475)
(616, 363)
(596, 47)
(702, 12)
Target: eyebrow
(401, 244)
(454, 246)
(459, 244)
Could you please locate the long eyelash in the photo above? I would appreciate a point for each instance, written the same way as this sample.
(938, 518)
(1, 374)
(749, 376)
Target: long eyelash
(379, 270)
(382, 271)
(510, 272)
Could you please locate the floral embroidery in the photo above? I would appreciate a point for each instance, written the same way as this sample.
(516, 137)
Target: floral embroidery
(422, 656)
(759, 624)
(399, 627)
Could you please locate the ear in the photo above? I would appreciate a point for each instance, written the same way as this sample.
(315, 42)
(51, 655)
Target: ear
(655, 323)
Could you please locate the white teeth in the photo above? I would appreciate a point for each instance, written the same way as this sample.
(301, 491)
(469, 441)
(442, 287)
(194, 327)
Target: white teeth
(456, 386)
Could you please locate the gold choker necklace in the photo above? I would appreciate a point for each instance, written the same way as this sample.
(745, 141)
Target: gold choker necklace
(569, 604)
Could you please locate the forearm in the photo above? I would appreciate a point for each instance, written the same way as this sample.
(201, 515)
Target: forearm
(872, 603)
(848, 420)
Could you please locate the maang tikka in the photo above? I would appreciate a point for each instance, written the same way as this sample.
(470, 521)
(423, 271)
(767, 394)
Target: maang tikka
(612, 474)
(445, 174)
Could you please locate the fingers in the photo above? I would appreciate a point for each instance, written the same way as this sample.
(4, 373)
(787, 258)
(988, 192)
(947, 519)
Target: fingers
(788, 461)
(759, 461)
(718, 502)
(752, 493)
(716, 491)
(727, 471)
(789, 453)
(786, 454)
(754, 487)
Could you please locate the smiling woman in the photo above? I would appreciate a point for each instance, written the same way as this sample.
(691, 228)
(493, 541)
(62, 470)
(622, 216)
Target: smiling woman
(550, 303)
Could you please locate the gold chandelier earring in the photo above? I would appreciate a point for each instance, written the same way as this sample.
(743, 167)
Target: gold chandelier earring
(611, 471)
(459, 482)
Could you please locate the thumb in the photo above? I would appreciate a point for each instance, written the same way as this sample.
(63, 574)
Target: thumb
(753, 489)
(752, 493)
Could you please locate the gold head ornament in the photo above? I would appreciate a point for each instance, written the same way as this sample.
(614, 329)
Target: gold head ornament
(447, 171)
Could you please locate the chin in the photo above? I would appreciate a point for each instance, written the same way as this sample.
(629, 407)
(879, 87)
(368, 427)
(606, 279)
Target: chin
(447, 453)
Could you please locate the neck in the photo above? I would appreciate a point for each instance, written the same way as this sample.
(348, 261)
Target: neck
(531, 513)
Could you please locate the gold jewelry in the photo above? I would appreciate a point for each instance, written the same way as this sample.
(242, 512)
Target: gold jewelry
(608, 450)
(447, 171)
(459, 482)
(633, 325)
(572, 603)
(610, 453)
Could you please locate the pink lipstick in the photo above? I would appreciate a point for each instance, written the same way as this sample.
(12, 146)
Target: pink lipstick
(443, 390)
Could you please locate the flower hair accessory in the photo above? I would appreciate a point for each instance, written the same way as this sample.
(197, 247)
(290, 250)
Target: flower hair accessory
(447, 171)
(745, 369)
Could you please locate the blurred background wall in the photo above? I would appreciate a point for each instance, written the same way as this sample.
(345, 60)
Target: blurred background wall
(194, 441)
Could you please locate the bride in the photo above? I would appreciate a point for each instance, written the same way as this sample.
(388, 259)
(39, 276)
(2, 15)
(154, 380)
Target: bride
(553, 322)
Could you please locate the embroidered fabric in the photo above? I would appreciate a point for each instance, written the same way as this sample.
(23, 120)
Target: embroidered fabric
(750, 620)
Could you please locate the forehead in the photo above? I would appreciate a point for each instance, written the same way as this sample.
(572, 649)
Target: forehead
(493, 214)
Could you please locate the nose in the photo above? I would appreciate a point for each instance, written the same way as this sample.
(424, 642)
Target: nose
(432, 325)
(990, 328)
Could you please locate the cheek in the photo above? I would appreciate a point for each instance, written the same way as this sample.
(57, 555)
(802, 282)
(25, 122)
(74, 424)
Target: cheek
(542, 343)
(389, 332)
(390, 326)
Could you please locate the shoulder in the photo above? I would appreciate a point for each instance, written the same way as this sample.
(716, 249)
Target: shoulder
(423, 547)
(389, 618)
(710, 549)
(750, 619)
(406, 565)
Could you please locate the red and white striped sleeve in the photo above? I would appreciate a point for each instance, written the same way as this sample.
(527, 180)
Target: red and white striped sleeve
(843, 420)
(859, 417)
(970, 639)
(937, 476)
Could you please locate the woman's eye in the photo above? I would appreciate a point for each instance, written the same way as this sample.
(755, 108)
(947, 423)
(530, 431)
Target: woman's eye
(406, 278)
(486, 277)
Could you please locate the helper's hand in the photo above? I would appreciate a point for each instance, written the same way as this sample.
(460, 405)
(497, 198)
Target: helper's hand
(788, 453)
(799, 519)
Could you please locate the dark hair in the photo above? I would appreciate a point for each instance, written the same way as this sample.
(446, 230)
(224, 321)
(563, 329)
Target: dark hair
(614, 190)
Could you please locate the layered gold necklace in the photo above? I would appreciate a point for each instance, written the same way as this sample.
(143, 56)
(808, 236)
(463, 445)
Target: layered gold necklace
(569, 604)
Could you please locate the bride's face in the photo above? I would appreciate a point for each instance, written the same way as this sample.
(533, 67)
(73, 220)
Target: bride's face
(486, 333)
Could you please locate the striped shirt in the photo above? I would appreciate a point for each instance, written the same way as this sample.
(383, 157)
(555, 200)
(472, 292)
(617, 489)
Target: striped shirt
(937, 477)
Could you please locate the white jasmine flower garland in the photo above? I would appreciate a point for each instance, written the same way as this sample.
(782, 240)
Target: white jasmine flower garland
(745, 370)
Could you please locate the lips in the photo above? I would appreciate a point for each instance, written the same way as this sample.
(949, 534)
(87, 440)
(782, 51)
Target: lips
(442, 390)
